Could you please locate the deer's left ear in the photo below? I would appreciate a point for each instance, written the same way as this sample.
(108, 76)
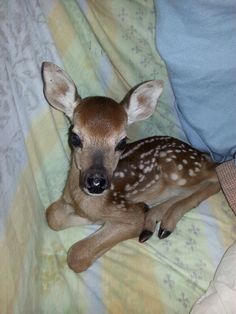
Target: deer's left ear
(141, 100)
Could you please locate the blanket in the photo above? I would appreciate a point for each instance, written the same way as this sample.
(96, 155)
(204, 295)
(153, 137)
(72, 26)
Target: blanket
(107, 47)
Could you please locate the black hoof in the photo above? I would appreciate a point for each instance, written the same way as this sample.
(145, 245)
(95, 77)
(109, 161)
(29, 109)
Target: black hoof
(163, 233)
(146, 208)
(145, 235)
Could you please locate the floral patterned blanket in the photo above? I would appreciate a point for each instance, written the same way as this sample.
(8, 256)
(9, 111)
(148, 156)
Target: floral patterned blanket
(107, 47)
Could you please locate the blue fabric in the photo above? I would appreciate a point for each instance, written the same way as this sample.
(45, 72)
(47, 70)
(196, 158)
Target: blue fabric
(197, 40)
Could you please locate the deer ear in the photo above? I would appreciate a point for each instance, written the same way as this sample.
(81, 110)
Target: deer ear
(141, 101)
(59, 89)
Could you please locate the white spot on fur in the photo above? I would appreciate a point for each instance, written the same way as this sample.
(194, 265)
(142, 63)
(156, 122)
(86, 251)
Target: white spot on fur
(141, 178)
(129, 152)
(147, 169)
(128, 187)
(191, 173)
(185, 161)
(120, 174)
(182, 182)
(174, 176)
(168, 159)
(180, 167)
(147, 153)
(120, 206)
(157, 177)
(162, 154)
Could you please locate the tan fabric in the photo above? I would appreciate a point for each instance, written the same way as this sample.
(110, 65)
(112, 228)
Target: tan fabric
(227, 176)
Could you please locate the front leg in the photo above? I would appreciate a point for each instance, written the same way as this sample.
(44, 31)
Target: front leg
(171, 211)
(61, 215)
(83, 253)
(155, 215)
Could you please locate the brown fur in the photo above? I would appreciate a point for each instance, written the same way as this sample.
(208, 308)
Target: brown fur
(103, 110)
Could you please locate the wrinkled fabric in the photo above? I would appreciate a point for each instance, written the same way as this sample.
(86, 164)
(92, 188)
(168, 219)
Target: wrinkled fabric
(221, 294)
(106, 47)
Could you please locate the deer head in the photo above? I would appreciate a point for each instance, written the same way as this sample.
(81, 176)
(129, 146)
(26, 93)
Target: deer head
(98, 140)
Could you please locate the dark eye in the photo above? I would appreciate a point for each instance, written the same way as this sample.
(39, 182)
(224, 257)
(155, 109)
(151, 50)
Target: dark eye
(75, 140)
(121, 145)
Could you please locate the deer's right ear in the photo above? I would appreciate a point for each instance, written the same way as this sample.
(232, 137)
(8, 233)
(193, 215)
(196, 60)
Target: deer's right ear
(59, 89)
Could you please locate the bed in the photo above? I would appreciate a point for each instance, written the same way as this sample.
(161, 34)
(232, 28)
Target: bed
(107, 47)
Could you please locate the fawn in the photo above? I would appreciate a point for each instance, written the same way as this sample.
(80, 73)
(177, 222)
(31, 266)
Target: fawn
(127, 188)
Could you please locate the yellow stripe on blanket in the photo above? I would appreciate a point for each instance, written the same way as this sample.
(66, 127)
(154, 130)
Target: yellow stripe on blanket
(20, 230)
(61, 27)
(73, 36)
(132, 286)
(33, 260)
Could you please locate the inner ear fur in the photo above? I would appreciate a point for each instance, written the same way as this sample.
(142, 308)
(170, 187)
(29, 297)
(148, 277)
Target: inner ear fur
(141, 101)
(59, 89)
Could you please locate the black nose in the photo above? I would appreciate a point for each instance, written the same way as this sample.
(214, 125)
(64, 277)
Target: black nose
(96, 183)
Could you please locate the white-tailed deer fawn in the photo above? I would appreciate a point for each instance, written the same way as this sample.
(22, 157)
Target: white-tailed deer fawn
(127, 188)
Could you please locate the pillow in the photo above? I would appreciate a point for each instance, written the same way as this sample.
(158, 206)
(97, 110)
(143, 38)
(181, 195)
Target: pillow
(197, 40)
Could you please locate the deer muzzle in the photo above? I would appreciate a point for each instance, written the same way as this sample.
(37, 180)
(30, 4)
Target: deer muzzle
(95, 181)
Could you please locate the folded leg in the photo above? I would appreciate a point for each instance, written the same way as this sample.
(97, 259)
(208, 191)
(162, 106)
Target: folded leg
(83, 253)
(60, 215)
